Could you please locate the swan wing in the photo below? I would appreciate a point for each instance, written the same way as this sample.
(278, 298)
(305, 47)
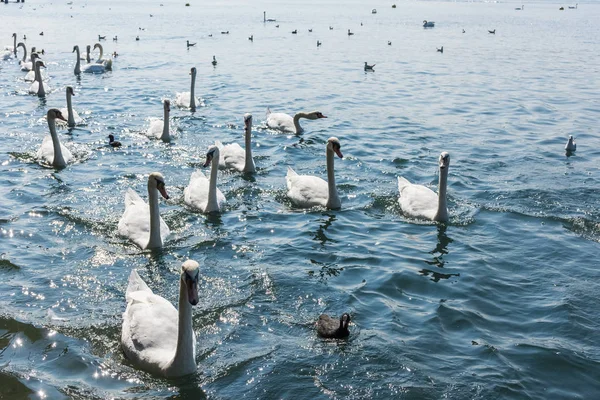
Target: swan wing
(45, 153)
(136, 284)
(418, 201)
(183, 100)
(281, 121)
(93, 68)
(155, 129)
(195, 194)
(232, 156)
(307, 190)
(30, 77)
(35, 86)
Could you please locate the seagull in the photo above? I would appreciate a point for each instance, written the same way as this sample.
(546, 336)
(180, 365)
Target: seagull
(492, 32)
(369, 67)
(190, 44)
(318, 43)
(112, 142)
(251, 38)
(441, 50)
(350, 33)
(214, 61)
(101, 37)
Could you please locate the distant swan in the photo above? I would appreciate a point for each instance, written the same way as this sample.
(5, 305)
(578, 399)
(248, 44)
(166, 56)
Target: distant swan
(90, 68)
(160, 129)
(202, 194)
(156, 337)
(286, 123)
(310, 191)
(421, 202)
(187, 99)
(428, 24)
(106, 62)
(141, 223)
(233, 156)
(37, 87)
(52, 152)
(13, 48)
(73, 117)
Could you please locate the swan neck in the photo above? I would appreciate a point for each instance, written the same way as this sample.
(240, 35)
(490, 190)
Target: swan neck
(165, 137)
(101, 52)
(70, 118)
(297, 121)
(24, 54)
(15, 44)
(38, 77)
(249, 161)
(334, 200)
(442, 212)
(192, 93)
(212, 204)
(58, 161)
(155, 240)
(78, 63)
(184, 359)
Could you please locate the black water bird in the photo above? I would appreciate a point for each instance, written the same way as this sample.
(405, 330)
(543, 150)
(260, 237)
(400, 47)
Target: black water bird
(441, 50)
(295, 31)
(318, 43)
(331, 28)
(328, 327)
(101, 37)
(190, 44)
(251, 38)
(42, 33)
(214, 61)
(225, 33)
(350, 33)
(112, 142)
(115, 38)
(310, 30)
(492, 32)
(389, 43)
(463, 31)
(369, 67)
(137, 38)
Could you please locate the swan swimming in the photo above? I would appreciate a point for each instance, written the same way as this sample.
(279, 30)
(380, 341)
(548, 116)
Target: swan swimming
(428, 24)
(159, 129)
(187, 99)
(37, 87)
(106, 62)
(142, 223)
(155, 336)
(310, 191)
(232, 156)
(421, 202)
(202, 194)
(52, 152)
(286, 123)
(73, 117)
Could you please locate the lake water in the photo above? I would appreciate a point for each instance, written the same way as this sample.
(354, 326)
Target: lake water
(501, 302)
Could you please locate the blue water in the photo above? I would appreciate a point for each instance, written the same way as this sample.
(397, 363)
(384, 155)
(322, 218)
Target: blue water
(501, 302)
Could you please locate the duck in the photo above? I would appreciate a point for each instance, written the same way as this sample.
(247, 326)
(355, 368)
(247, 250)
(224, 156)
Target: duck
(286, 123)
(225, 33)
(571, 145)
(214, 61)
(421, 202)
(310, 191)
(190, 44)
(101, 37)
(201, 193)
(310, 31)
(52, 153)
(369, 67)
(156, 337)
(441, 49)
(141, 222)
(159, 129)
(73, 117)
(295, 31)
(428, 24)
(37, 87)
(112, 142)
(232, 156)
(520, 8)
(332, 328)
(187, 99)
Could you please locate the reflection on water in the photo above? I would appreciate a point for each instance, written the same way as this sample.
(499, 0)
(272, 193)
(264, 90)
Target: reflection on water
(440, 250)
(320, 235)
(327, 270)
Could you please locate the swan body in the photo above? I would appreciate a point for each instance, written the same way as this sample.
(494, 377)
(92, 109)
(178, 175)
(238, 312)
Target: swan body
(30, 76)
(73, 117)
(159, 129)
(106, 62)
(286, 123)
(571, 145)
(37, 87)
(421, 202)
(428, 24)
(328, 327)
(187, 99)
(232, 156)
(310, 191)
(52, 152)
(201, 193)
(141, 222)
(155, 336)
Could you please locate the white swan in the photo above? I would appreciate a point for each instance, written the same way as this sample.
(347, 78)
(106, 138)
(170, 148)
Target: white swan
(202, 194)
(141, 222)
(159, 129)
(187, 99)
(73, 117)
(156, 337)
(77, 69)
(30, 76)
(24, 64)
(286, 123)
(52, 152)
(571, 145)
(233, 156)
(421, 202)
(107, 62)
(310, 191)
(37, 87)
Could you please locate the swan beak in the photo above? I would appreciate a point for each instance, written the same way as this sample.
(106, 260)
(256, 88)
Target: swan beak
(161, 189)
(322, 116)
(192, 291)
(59, 116)
(208, 160)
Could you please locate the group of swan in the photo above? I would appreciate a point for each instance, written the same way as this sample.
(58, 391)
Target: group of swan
(98, 67)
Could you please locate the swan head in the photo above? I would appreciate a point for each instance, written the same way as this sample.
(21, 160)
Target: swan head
(333, 144)
(248, 120)
(21, 44)
(53, 114)
(157, 181)
(213, 151)
(190, 276)
(39, 64)
(96, 46)
(315, 115)
(344, 321)
(444, 160)
(167, 105)
(111, 138)
(75, 48)
(193, 71)
(70, 90)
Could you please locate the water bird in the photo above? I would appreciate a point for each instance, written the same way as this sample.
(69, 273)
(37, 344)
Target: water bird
(295, 31)
(574, 8)
(151, 15)
(463, 31)
(319, 43)
(350, 33)
(112, 142)
(492, 32)
(520, 8)
(225, 33)
(141, 222)
(42, 33)
(101, 37)
(571, 145)
(361, 24)
(277, 26)
(331, 28)
(141, 29)
(159, 129)
(251, 38)
(114, 54)
(419, 201)
(389, 43)
(115, 38)
(202, 193)
(233, 156)
(187, 99)
(73, 117)
(37, 87)
(137, 38)
(190, 44)
(393, 6)
(286, 123)
(52, 152)
(369, 67)
(154, 336)
(332, 328)
(214, 61)
(561, 9)
(24, 37)
(105, 62)
(310, 30)
(428, 24)
(310, 191)
(441, 50)
(210, 35)
(373, 11)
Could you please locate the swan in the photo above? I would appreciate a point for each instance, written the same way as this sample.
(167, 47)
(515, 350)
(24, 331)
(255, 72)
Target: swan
(6, 55)
(233, 156)
(309, 191)
(428, 24)
(202, 194)
(187, 99)
(159, 129)
(24, 64)
(52, 152)
(571, 145)
(13, 48)
(421, 202)
(77, 70)
(88, 55)
(286, 123)
(73, 117)
(37, 87)
(30, 76)
(107, 62)
(141, 222)
(156, 337)
(332, 328)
